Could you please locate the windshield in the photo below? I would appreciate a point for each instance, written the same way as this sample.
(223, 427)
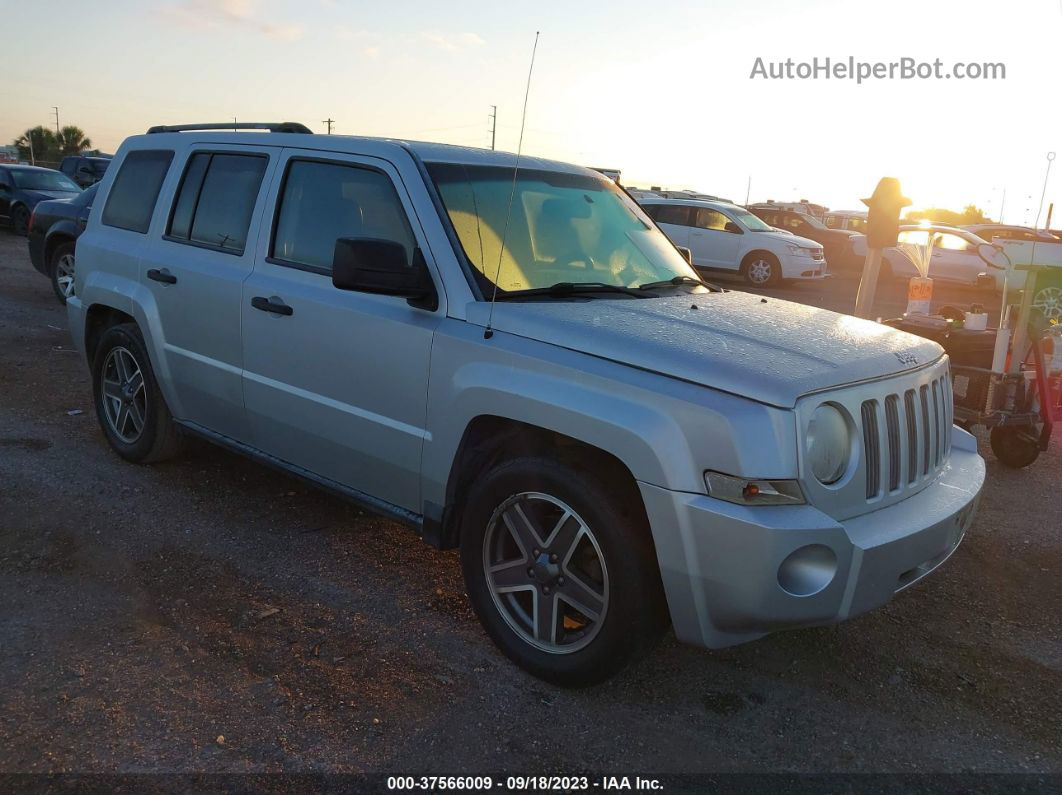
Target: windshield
(99, 166)
(43, 180)
(753, 223)
(563, 227)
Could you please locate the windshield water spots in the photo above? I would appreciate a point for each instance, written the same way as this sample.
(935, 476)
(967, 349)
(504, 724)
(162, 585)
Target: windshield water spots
(563, 228)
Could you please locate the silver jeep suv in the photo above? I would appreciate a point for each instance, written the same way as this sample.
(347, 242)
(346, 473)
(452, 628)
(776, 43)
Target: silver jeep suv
(513, 359)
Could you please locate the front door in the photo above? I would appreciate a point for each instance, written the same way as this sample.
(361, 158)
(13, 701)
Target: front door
(335, 381)
(711, 244)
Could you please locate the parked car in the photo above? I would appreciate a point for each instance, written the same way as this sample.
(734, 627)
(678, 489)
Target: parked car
(990, 232)
(835, 242)
(53, 228)
(512, 358)
(959, 256)
(22, 187)
(851, 220)
(85, 170)
(726, 237)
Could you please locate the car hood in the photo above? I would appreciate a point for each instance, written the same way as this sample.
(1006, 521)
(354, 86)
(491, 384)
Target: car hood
(789, 237)
(41, 195)
(768, 350)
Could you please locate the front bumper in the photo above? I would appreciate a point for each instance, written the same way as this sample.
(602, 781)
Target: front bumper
(724, 566)
(794, 267)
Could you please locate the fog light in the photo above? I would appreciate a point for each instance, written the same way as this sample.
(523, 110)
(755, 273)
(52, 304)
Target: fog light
(808, 570)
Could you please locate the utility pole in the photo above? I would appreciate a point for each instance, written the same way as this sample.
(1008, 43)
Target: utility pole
(56, 109)
(329, 121)
(748, 190)
(1002, 203)
(493, 123)
(1040, 209)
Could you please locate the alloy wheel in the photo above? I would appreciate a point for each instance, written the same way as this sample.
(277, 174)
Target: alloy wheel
(1049, 301)
(546, 572)
(124, 395)
(760, 271)
(64, 274)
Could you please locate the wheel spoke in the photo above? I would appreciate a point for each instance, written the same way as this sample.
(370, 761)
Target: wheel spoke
(136, 414)
(565, 536)
(112, 389)
(522, 529)
(510, 576)
(122, 366)
(122, 419)
(582, 596)
(546, 618)
(136, 383)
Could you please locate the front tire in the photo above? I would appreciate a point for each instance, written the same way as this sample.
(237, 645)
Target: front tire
(20, 220)
(761, 269)
(561, 570)
(61, 269)
(129, 405)
(1014, 447)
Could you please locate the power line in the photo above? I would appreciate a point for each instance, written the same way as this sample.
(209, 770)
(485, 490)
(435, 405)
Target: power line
(329, 121)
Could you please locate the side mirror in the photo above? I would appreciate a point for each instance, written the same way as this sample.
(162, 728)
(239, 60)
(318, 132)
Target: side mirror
(369, 265)
(994, 255)
(732, 228)
(686, 254)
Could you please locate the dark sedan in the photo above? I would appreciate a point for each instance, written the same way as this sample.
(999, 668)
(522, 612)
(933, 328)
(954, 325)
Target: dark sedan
(834, 242)
(22, 187)
(53, 228)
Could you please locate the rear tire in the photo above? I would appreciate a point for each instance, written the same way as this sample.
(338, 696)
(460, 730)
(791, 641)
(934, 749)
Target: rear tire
(1013, 447)
(761, 269)
(601, 555)
(61, 268)
(129, 405)
(20, 220)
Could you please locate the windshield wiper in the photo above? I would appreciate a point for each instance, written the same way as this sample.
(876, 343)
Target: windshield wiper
(679, 281)
(561, 289)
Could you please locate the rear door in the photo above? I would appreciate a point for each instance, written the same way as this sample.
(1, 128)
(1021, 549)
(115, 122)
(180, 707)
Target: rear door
(673, 220)
(336, 381)
(195, 274)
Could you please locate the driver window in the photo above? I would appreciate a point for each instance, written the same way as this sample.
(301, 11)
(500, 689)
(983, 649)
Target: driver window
(710, 219)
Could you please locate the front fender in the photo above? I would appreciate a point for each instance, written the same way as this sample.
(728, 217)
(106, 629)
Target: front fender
(665, 431)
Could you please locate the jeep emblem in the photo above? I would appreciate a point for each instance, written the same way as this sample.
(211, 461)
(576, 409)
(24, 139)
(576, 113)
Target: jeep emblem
(906, 357)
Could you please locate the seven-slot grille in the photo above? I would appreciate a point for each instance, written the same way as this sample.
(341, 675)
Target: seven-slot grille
(906, 436)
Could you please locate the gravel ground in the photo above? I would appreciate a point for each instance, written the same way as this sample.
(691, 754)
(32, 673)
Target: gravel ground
(211, 615)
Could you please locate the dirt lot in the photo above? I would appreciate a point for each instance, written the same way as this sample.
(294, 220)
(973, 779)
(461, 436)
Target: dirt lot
(212, 615)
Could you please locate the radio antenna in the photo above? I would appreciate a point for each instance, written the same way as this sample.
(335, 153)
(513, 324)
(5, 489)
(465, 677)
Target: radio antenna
(488, 332)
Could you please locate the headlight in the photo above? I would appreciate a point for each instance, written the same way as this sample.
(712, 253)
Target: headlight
(828, 444)
(797, 251)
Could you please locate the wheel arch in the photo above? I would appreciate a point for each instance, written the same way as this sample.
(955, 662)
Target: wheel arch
(60, 233)
(489, 438)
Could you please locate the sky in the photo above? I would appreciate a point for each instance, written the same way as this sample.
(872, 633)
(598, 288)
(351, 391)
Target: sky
(659, 90)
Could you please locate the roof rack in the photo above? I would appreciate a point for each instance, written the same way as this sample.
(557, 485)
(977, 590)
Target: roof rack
(278, 127)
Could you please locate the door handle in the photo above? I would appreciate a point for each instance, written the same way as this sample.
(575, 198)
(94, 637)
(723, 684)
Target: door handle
(163, 276)
(273, 304)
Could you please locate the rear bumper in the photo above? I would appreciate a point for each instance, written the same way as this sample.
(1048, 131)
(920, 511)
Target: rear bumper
(733, 574)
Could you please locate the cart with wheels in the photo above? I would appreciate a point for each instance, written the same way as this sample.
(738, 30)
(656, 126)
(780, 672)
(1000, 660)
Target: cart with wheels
(1016, 397)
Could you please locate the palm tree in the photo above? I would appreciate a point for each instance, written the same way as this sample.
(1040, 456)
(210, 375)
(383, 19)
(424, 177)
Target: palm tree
(72, 140)
(38, 143)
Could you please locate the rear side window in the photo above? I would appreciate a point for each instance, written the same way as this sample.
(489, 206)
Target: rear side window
(671, 214)
(216, 199)
(322, 202)
(131, 200)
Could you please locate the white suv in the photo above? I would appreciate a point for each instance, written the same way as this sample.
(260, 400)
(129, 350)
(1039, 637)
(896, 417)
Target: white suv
(726, 237)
